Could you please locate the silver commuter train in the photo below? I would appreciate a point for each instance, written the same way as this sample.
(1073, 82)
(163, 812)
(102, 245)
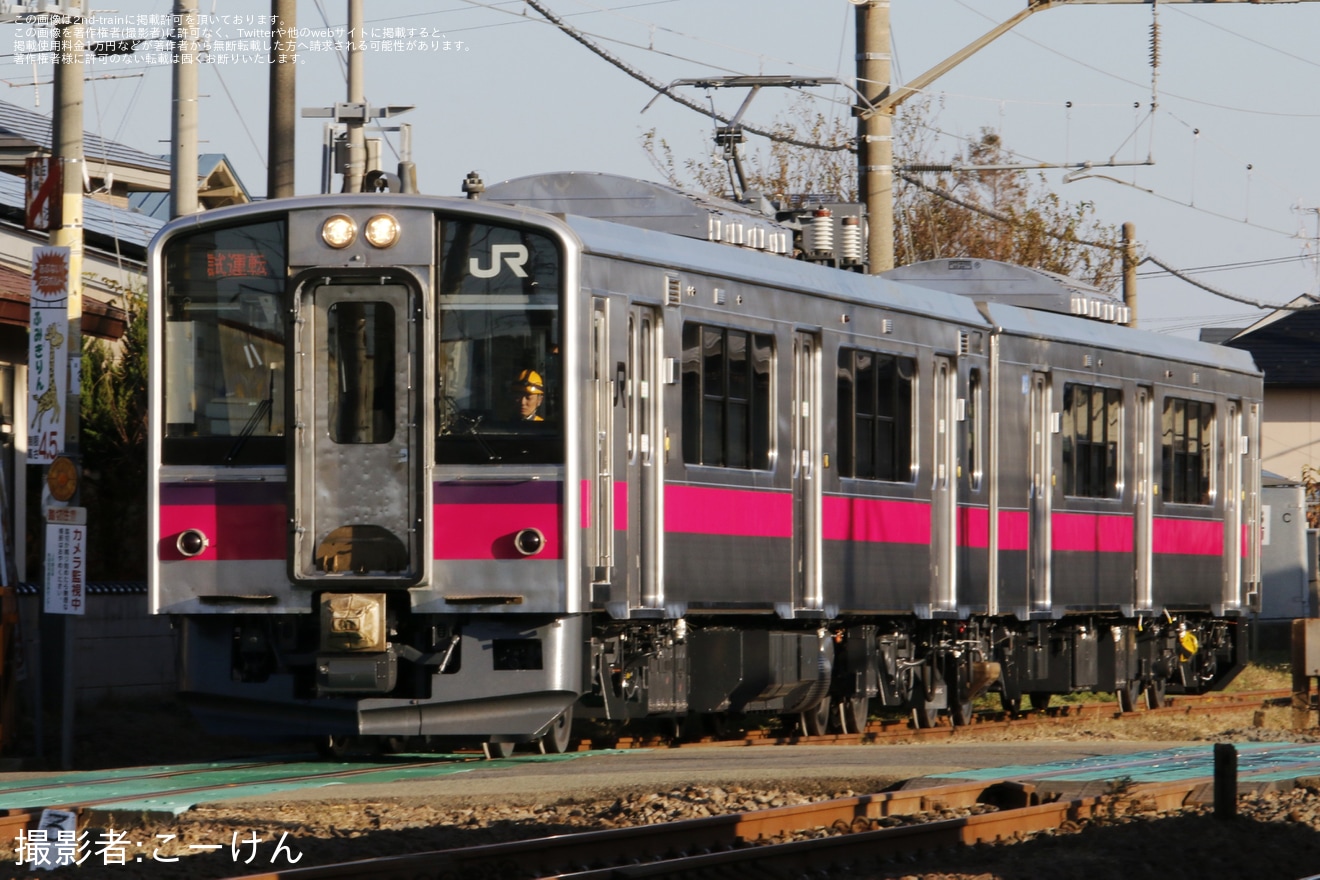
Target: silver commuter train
(748, 484)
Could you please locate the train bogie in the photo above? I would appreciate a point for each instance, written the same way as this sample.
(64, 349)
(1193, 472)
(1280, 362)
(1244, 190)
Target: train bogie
(432, 467)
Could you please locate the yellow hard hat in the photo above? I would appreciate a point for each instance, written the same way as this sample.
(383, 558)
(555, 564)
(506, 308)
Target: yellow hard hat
(531, 381)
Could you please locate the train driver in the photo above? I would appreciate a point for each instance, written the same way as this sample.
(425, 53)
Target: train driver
(529, 393)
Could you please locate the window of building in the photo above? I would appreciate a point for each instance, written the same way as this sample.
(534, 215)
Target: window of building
(1188, 445)
(1092, 425)
(726, 397)
(875, 415)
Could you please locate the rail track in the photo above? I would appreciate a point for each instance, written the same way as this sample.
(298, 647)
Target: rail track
(715, 836)
(847, 834)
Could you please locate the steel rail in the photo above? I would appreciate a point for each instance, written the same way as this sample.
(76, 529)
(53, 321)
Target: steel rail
(679, 848)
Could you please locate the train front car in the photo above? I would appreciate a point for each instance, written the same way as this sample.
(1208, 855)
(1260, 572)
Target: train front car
(358, 452)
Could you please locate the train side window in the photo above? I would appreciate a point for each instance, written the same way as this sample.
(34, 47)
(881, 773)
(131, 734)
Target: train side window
(1092, 426)
(875, 415)
(1188, 450)
(726, 397)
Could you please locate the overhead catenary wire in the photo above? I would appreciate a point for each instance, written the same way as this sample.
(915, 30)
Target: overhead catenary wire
(663, 88)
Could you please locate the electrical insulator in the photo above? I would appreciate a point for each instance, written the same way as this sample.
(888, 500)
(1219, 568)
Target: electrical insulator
(850, 240)
(822, 232)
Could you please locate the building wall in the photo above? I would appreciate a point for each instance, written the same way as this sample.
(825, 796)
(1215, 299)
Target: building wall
(1290, 431)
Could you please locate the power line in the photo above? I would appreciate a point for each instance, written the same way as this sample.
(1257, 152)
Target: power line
(664, 89)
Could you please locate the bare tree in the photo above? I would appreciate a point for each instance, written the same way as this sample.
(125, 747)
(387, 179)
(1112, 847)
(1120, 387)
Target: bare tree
(994, 213)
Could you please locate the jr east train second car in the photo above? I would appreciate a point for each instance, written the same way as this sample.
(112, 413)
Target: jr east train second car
(468, 468)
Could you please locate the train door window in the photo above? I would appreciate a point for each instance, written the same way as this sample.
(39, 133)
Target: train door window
(499, 387)
(726, 397)
(875, 415)
(1188, 450)
(974, 430)
(224, 321)
(1091, 428)
(360, 357)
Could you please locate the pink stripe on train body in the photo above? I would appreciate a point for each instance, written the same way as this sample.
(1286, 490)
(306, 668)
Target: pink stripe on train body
(745, 513)
(875, 520)
(480, 520)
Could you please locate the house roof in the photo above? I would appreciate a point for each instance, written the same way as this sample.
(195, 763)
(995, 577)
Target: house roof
(99, 219)
(20, 128)
(1285, 345)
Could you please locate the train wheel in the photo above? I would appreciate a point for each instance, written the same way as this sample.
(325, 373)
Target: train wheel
(1011, 703)
(557, 739)
(816, 721)
(959, 678)
(1128, 694)
(496, 750)
(391, 745)
(334, 747)
(1155, 694)
(853, 713)
(1040, 700)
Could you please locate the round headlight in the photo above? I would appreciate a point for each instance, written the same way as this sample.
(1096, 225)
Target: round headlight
(191, 543)
(529, 542)
(381, 231)
(339, 231)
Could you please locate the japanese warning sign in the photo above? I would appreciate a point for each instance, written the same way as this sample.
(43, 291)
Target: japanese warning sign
(66, 553)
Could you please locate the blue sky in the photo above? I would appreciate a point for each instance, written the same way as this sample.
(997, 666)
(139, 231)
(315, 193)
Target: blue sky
(1233, 193)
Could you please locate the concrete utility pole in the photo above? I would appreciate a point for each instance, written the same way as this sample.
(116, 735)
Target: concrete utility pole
(875, 133)
(67, 145)
(283, 88)
(183, 125)
(875, 140)
(1130, 271)
(356, 162)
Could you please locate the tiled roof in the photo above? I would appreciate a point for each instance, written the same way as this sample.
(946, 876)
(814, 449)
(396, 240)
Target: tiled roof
(35, 128)
(118, 224)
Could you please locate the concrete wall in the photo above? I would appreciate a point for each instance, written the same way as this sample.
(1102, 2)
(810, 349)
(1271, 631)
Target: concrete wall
(121, 653)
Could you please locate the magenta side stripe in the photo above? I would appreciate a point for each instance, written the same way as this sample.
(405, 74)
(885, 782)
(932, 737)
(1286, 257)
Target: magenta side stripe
(748, 513)
(974, 527)
(1013, 530)
(620, 506)
(1092, 533)
(236, 531)
(875, 520)
(1187, 537)
(485, 531)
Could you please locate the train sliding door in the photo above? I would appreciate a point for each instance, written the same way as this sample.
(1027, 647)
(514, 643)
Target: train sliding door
(944, 506)
(355, 489)
(1235, 448)
(1041, 495)
(642, 399)
(806, 484)
(599, 502)
(1145, 477)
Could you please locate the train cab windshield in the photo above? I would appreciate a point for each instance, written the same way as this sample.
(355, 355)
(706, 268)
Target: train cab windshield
(224, 346)
(499, 382)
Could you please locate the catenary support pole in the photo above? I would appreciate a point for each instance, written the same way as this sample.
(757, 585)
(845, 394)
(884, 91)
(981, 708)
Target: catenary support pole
(183, 123)
(283, 104)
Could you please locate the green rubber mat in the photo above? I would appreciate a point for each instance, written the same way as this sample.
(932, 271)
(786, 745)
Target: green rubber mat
(176, 789)
(1263, 762)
